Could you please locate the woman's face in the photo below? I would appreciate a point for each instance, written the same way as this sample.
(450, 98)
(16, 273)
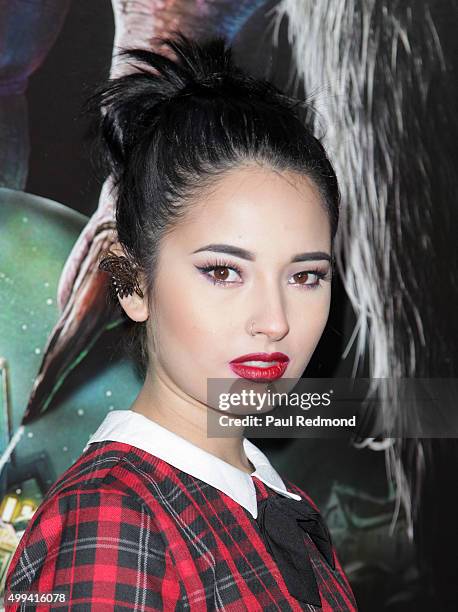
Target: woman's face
(208, 300)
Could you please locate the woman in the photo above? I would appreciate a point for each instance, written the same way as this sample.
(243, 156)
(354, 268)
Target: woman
(227, 208)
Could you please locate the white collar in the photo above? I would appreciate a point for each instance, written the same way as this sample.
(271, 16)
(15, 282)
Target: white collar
(137, 430)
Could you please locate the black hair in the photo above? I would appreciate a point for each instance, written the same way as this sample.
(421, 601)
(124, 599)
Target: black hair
(168, 130)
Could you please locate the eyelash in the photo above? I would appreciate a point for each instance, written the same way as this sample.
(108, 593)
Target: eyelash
(210, 266)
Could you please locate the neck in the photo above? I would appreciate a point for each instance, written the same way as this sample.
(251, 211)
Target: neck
(160, 401)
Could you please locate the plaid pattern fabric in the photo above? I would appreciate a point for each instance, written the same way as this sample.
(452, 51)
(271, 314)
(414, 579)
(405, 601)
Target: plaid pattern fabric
(124, 530)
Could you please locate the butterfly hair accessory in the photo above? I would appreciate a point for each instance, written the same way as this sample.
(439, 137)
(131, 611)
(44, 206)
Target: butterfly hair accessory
(124, 275)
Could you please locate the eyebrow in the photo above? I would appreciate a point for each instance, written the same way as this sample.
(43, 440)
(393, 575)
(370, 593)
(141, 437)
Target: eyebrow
(244, 254)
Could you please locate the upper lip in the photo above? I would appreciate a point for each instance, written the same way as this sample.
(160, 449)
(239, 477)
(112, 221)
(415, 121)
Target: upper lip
(261, 357)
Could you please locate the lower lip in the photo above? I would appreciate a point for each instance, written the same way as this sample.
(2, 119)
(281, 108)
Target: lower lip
(272, 372)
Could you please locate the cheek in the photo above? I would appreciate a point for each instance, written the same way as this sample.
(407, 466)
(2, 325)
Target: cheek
(187, 337)
(186, 324)
(308, 325)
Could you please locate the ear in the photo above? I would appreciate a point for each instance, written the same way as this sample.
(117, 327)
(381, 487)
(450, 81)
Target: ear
(134, 306)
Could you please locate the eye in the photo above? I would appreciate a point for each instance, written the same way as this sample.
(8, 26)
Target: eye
(221, 273)
(225, 273)
(308, 279)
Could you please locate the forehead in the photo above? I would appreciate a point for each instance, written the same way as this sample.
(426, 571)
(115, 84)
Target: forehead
(258, 207)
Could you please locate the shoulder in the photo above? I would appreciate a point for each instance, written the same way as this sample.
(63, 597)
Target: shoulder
(109, 476)
(111, 466)
(93, 515)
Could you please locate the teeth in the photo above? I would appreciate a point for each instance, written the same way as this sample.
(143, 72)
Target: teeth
(260, 364)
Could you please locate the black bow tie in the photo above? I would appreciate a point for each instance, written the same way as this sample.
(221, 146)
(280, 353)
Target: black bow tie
(282, 521)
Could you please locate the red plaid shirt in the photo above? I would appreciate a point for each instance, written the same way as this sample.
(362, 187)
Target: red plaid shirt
(122, 529)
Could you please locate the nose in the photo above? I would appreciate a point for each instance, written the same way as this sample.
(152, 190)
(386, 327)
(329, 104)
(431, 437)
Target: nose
(270, 318)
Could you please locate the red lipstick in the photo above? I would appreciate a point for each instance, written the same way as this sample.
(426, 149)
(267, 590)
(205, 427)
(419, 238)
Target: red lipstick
(260, 372)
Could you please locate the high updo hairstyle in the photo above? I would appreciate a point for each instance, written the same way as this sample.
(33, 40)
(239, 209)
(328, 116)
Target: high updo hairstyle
(169, 130)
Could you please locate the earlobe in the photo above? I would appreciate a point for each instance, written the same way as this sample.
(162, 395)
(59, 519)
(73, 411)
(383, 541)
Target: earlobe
(135, 307)
(135, 304)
